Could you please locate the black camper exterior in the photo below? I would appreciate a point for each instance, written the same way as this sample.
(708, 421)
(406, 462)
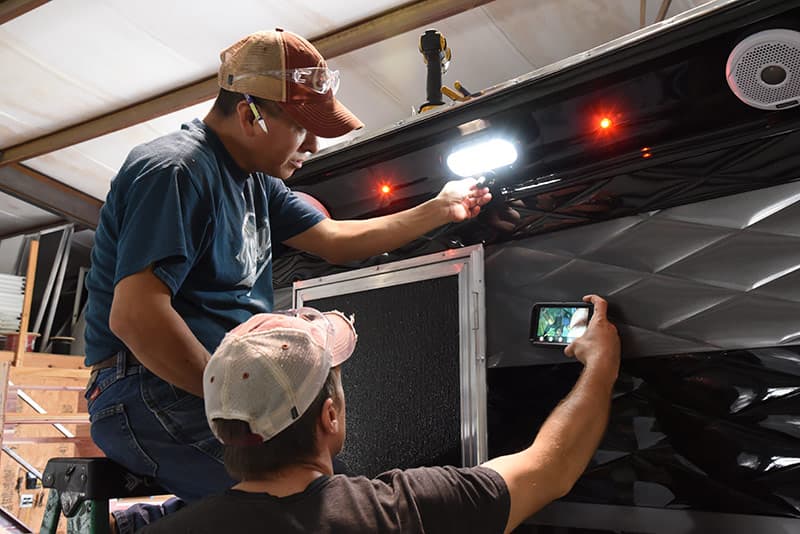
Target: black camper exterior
(685, 214)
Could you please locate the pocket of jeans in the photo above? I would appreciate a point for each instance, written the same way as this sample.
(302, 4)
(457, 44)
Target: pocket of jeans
(111, 431)
(160, 395)
(180, 413)
(99, 381)
(90, 384)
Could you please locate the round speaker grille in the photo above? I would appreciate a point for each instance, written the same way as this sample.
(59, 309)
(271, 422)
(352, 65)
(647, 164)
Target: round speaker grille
(764, 69)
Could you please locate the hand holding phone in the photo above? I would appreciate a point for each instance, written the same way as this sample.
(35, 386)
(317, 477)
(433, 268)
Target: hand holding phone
(559, 323)
(599, 348)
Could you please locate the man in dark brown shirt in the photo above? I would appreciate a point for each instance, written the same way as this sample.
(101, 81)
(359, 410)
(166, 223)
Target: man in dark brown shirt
(274, 397)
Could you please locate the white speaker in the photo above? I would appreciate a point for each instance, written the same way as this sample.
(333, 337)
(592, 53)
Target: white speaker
(764, 69)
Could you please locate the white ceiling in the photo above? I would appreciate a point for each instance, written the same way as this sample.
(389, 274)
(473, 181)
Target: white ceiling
(16, 215)
(72, 60)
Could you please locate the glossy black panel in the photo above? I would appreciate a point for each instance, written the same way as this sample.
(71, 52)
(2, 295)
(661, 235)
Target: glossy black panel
(716, 432)
(666, 94)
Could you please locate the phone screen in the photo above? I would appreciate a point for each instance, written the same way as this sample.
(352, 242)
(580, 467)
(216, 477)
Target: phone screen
(559, 324)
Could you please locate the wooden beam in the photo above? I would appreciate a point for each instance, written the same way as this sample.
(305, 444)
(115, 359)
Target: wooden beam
(358, 35)
(54, 361)
(4, 367)
(13, 388)
(49, 194)
(35, 229)
(47, 418)
(22, 376)
(30, 277)
(11, 9)
(44, 360)
(390, 23)
(642, 13)
(11, 439)
(662, 11)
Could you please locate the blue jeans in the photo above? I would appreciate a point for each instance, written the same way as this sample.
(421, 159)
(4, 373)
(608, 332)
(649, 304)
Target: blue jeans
(157, 430)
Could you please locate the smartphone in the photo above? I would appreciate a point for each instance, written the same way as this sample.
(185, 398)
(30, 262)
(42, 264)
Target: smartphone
(559, 323)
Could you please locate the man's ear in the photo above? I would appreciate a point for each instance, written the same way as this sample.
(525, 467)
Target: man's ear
(245, 119)
(329, 418)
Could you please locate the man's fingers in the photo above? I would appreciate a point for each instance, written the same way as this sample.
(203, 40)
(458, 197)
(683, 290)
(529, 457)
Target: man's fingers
(600, 306)
(569, 350)
(469, 183)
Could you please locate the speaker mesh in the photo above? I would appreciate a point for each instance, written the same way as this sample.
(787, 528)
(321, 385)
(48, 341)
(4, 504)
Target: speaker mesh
(748, 72)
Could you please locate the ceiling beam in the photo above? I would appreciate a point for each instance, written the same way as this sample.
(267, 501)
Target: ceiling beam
(341, 41)
(51, 195)
(642, 13)
(11, 9)
(35, 229)
(662, 11)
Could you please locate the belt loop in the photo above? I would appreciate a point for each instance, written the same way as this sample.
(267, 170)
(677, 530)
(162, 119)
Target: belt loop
(121, 363)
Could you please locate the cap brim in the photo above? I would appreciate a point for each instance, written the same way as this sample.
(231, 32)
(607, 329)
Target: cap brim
(344, 337)
(326, 118)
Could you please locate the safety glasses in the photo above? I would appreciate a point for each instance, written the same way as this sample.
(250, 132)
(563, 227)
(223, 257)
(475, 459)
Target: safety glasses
(318, 79)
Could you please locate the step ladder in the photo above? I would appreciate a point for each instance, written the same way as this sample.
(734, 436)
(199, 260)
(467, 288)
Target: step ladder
(80, 489)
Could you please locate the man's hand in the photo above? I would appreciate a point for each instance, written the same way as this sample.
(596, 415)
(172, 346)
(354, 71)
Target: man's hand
(463, 199)
(599, 346)
(344, 241)
(568, 438)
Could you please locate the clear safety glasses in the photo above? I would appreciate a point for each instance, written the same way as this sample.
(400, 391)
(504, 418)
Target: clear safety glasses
(318, 79)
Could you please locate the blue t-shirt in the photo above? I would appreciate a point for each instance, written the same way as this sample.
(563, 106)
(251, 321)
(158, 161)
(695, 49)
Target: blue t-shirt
(182, 204)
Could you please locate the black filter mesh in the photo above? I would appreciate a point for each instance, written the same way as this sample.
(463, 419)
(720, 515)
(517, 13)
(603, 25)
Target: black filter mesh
(402, 385)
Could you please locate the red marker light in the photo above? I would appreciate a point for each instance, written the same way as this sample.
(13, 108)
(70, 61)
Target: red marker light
(605, 123)
(385, 189)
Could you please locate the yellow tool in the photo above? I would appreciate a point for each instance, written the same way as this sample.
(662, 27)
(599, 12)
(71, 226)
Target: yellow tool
(433, 47)
(458, 97)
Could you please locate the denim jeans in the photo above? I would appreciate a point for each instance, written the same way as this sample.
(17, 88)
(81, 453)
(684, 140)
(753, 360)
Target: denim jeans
(157, 430)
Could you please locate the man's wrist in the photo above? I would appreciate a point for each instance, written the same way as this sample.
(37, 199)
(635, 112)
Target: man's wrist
(605, 369)
(437, 210)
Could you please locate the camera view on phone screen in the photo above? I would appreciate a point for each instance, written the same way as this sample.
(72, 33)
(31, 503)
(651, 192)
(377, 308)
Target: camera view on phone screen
(559, 325)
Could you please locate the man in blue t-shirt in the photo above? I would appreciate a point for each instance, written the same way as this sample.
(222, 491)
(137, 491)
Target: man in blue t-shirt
(183, 252)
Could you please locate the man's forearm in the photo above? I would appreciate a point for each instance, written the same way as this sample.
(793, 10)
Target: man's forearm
(361, 239)
(162, 341)
(570, 435)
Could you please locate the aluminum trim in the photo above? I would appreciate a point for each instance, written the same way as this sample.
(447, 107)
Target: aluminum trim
(478, 362)
(377, 280)
(428, 259)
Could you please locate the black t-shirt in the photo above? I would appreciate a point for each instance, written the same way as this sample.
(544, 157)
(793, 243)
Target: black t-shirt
(424, 500)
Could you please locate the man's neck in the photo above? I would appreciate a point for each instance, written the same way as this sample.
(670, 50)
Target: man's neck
(290, 479)
(222, 127)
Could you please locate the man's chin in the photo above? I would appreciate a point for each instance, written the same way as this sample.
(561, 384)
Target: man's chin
(281, 174)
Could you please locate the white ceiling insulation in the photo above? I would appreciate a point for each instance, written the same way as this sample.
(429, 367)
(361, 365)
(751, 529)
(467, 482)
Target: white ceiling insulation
(17, 215)
(73, 60)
